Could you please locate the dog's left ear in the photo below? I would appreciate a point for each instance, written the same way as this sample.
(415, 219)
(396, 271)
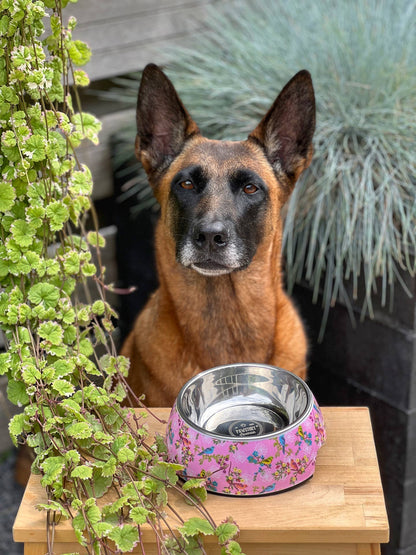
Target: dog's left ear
(286, 131)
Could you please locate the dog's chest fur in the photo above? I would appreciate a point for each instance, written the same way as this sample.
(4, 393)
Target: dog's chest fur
(222, 325)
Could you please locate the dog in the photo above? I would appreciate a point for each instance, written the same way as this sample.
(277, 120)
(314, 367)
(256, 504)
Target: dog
(218, 241)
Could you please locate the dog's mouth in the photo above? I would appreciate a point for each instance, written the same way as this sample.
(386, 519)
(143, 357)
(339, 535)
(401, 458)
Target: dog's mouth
(211, 268)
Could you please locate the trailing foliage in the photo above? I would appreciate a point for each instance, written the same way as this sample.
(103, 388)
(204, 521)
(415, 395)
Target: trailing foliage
(354, 212)
(86, 443)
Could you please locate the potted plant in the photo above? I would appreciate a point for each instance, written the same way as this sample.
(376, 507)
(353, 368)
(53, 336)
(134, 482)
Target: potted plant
(86, 442)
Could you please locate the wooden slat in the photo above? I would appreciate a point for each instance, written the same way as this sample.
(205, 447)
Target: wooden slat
(133, 57)
(126, 34)
(137, 28)
(95, 12)
(254, 549)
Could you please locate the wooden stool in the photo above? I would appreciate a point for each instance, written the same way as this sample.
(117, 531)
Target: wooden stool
(340, 510)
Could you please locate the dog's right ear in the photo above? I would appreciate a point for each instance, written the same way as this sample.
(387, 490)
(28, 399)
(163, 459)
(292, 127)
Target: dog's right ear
(163, 124)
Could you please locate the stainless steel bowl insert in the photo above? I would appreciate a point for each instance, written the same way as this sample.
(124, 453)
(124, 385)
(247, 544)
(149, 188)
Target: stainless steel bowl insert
(246, 401)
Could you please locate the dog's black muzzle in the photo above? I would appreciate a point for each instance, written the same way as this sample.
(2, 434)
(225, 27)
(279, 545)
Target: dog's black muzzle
(211, 236)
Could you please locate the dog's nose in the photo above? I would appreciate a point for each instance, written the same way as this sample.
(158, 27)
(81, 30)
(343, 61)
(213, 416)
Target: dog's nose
(211, 235)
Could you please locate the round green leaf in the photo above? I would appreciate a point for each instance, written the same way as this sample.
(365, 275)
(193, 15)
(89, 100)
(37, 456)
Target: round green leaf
(81, 182)
(79, 430)
(79, 52)
(7, 196)
(125, 537)
(22, 233)
(58, 214)
(34, 148)
(30, 374)
(84, 472)
(52, 332)
(95, 239)
(63, 387)
(63, 367)
(17, 426)
(88, 126)
(139, 515)
(109, 467)
(195, 526)
(226, 531)
(16, 392)
(72, 262)
(73, 456)
(70, 334)
(52, 467)
(81, 78)
(44, 293)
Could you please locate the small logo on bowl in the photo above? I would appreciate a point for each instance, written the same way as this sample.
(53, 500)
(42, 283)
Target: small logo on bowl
(245, 428)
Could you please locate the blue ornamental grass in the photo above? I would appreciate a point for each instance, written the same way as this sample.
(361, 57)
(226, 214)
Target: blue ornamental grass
(353, 213)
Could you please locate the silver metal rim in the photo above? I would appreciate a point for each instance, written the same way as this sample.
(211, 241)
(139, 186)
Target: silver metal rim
(295, 424)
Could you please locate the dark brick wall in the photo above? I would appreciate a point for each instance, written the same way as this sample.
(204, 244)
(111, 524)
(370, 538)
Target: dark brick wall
(374, 365)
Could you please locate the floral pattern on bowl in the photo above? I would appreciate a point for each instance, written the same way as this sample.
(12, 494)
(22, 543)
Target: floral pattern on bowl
(232, 466)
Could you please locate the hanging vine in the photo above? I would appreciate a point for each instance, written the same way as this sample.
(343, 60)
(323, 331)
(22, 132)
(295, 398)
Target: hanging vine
(86, 442)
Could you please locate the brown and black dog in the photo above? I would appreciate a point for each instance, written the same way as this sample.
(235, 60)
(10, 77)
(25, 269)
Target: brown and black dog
(218, 242)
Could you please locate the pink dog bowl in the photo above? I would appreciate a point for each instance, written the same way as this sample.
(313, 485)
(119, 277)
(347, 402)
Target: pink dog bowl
(248, 429)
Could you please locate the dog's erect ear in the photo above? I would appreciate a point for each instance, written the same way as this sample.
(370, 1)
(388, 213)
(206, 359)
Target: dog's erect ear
(163, 124)
(286, 131)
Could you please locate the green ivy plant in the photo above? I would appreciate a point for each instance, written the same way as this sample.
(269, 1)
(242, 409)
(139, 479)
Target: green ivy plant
(85, 440)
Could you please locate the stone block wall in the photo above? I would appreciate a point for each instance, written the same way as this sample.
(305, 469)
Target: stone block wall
(374, 365)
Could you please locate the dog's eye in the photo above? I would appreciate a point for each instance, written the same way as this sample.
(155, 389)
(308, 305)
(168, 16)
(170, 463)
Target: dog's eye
(187, 184)
(250, 189)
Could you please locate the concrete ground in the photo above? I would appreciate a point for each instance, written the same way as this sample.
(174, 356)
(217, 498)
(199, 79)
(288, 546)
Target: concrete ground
(10, 496)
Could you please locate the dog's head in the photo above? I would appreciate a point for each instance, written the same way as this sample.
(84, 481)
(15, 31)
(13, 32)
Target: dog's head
(219, 199)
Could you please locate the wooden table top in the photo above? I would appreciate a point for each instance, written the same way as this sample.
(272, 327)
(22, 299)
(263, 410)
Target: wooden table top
(342, 503)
